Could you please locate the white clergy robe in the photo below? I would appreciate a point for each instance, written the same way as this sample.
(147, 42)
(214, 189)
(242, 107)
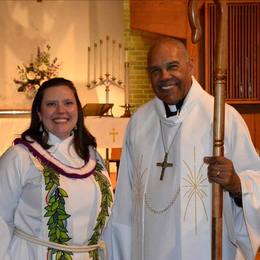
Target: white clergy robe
(171, 218)
(23, 201)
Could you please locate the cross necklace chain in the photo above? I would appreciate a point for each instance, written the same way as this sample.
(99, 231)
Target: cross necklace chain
(165, 164)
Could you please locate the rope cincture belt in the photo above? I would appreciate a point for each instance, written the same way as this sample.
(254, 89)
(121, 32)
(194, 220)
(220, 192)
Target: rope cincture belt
(69, 248)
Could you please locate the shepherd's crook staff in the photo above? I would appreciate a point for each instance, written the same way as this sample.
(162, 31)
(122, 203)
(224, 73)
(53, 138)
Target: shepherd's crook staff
(219, 112)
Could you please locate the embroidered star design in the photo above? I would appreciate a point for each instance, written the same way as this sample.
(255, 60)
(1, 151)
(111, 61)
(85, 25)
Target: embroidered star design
(138, 182)
(196, 184)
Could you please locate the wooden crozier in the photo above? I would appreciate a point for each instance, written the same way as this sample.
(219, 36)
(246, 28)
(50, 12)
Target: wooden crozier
(219, 110)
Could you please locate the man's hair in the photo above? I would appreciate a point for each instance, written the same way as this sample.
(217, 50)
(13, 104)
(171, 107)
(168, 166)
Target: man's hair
(82, 137)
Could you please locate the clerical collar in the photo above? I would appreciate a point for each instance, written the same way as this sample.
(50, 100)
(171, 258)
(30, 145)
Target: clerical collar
(172, 110)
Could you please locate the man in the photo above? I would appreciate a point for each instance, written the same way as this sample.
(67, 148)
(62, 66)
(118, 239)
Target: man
(163, 208)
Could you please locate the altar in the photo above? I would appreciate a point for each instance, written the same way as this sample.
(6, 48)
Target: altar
(109, 131)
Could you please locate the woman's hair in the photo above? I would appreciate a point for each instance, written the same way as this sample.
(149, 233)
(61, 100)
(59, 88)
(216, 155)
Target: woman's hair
(82, 137)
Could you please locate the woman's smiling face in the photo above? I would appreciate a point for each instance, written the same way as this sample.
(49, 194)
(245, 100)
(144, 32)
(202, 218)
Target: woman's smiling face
(59, 111)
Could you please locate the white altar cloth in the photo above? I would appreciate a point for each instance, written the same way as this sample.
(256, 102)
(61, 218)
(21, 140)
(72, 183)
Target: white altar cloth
(109, 131)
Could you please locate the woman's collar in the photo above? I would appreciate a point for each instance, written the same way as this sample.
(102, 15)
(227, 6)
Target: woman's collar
(55, 140)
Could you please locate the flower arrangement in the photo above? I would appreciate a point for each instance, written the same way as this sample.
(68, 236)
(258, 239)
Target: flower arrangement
(37, 71)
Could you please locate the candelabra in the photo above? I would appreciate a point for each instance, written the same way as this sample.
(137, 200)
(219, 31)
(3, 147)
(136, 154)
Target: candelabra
(106, 81)
(116, 67)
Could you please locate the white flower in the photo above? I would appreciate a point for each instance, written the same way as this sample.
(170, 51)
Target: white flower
(40, 69)
(31, 75)
(43, 67)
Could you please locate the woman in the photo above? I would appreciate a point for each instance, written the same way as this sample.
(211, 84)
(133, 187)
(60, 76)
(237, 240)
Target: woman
(55, 195)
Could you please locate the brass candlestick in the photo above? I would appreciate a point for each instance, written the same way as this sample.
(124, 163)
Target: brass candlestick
(127, 112)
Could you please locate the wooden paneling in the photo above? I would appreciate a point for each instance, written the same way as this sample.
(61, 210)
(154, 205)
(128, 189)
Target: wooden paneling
(163, 17)
(257, 131)
(167, 17)
(251, 115)
(243, 64)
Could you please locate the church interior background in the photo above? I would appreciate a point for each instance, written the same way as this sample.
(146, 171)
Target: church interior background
(74, 31)
(95, 39)
(109, 39)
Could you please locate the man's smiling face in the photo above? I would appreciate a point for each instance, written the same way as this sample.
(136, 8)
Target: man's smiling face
(170, 71)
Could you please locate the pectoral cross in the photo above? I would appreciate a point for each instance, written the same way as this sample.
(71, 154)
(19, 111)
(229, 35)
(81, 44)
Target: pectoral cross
(164, 164)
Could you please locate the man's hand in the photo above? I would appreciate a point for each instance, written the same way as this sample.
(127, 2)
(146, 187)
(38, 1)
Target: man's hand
(221, 171)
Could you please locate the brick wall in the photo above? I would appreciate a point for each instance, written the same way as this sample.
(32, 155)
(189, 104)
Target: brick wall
(137, 44)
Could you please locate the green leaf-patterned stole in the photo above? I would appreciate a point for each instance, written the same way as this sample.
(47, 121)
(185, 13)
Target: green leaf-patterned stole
(106, 202)
(56, 212)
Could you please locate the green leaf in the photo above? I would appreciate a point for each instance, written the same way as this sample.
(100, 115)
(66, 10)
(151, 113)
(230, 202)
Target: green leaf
(46, 172)
(63, 192)
(63, 235)
(61, 211)
(55, 205)
(47, 208)
(46, 179)
(50, 221)
(63, 217)
(53, 225)
(58, 255)
(56, 181)
(49, 186)
(61, 224)
(49, 213)
(57, 233)
(63, 240)
(21, 89)
(52, 232)
(52, 200)
(53, 238)
(61, 206)
(67, 256)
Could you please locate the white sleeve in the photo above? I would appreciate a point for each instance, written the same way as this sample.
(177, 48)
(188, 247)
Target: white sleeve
(118, 232)
(11, 165)
(247, 165)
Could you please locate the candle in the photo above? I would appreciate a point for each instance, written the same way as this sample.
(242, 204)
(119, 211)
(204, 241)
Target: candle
(119, 62)
(126, 77)
(113, 59)
(100, 58)
(94, 62)
(126, 55)
(107, 54)
(126, 83)
(88, 73)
